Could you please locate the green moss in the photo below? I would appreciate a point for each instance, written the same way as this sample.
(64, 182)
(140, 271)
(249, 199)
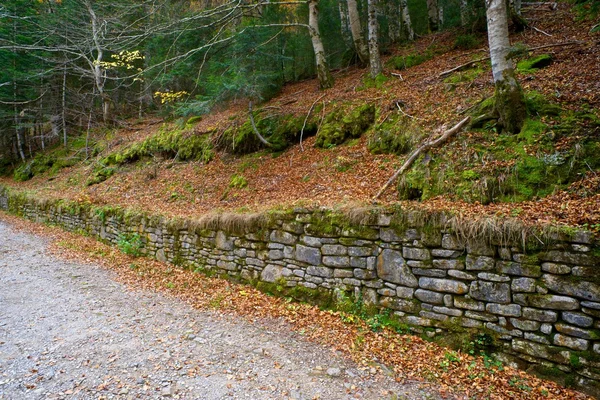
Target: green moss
(342, 124)
(410, 60)
(466, 42)
(464, 76)
(532, 65)
(538, 105)
(397, 135)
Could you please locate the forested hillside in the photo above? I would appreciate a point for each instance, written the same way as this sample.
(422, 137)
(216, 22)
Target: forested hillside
(187, 107)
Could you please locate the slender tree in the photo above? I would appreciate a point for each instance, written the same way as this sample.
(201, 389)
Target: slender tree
(374, 56)
(432, 15)
(509, 99)
(407, 28)
(357, 34)
(323, 73)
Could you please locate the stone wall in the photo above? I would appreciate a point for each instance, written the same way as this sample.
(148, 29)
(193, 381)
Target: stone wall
(541, 306)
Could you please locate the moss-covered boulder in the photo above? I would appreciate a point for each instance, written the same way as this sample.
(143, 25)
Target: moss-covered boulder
(343, 124)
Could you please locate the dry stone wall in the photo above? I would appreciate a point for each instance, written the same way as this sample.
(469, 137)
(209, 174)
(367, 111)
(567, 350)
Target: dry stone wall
(542, 307)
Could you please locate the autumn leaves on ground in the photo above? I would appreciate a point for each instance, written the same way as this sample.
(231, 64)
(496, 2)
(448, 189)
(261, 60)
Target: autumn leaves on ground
(454, 374)
(304, 175)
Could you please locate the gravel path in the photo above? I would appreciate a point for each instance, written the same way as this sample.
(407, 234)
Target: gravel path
(71, 331)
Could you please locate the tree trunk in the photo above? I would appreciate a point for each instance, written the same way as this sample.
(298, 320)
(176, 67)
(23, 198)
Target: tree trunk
(432, 14)
(406, 24)
(374, 56)
(345, 24)
(323, 74)
(464, 13)
(357, 34)
(98, 71)
(509, 99)
(64, 106)
(393, 20)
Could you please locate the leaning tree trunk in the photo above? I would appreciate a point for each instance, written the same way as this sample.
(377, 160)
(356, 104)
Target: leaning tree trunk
(325, 78)
(374, 56)
(432, 14)
(357, 34)
(406, 24)
(509, 99)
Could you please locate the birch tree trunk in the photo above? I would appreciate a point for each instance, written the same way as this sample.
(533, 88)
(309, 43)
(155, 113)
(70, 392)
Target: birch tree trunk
(509, 100)
(345, 24)
(406, 24)
(357, 34)
(374, 56)
(464, 13)
(394, 21)
(323, 73)
(432, 14)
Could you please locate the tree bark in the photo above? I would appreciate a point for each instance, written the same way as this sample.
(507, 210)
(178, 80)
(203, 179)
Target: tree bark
(464, 13)
(432, 14)
(345, 24)
(374, 56)
(509, 99)
(406, 23)
(357, 34)
(323, 73)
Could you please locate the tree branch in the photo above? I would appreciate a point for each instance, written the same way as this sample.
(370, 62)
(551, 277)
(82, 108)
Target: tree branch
(262, 139)
(415, 154)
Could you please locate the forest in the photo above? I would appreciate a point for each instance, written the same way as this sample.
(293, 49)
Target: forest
(199, 81)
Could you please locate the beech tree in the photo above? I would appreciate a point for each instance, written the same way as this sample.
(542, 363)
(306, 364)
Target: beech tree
(357, 34)
(374, 56)
(509, 102)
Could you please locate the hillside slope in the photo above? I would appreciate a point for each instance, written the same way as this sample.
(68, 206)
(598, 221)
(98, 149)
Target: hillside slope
(547, 174)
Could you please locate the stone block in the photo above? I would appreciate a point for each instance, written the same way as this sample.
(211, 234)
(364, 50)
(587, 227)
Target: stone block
(570, 342)
(508, 310)
(488, 276)
(275, 254)
(389, 235)
(283, 237)
(514, 268)
(461, 275)
(343, 273)
(448, 311)
(552, 302)
(575, 331)
(417, 321)
(428, 296)
(443, 285)
(360, 273)
(436, 273)
(415, 253)
(503, 331)
(540, 315)
(493, 292)
(448, 300)
(578, 319)
(480, 249)
(434, 316)
(479, 263)
(471, 323)
(449, 264)
(358, 262)
(359, 251)
(395, 303)
(405, 292)
(308, 255)
(523, 285)
(537, 350)
(578, 288)
(451, 242)
(351, 282)
(468, 304)
(536, 338)
(557, 269)
(271, 273)
(591, 304)
(222, 242)
(322, 272)
(525, 324)
(585, 272)
(311, 241)
(559, 256)
(336, 261)
(446, 253)
(391, 267)
(334, 250)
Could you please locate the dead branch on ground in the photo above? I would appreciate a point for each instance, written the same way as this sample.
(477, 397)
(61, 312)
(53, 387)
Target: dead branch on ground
(262, 139)
(415, 154)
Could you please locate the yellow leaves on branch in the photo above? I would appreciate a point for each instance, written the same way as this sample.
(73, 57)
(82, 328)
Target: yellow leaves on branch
(169, 97)
(124, 59)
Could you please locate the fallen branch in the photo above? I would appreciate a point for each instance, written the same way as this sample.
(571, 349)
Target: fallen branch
(402, 111)
(551, 5)
(262, 139)
(397, 75)
(540, 31)
(415, 154)
(306, 119)
(459, 67)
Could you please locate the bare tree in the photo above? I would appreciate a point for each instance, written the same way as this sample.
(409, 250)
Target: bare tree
(374, 56)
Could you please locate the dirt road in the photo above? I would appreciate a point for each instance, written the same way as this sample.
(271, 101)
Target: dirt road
(72, 331)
